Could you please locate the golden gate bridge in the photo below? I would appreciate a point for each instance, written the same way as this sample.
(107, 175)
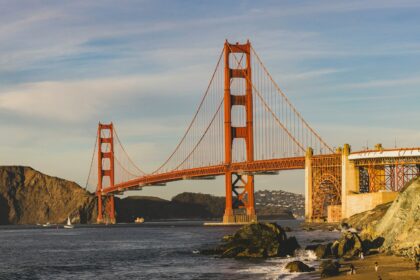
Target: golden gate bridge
(244, 126)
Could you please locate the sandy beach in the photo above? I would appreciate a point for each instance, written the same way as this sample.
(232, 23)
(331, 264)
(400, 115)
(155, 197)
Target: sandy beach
(390, 267)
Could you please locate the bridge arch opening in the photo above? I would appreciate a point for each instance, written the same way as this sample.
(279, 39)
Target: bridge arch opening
(327, 192)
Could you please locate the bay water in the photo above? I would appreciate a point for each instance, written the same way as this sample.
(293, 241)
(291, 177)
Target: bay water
(153, 250)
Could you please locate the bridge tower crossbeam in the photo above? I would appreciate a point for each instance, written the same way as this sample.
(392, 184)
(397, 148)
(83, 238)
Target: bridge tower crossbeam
(239, 187)
(105, 170)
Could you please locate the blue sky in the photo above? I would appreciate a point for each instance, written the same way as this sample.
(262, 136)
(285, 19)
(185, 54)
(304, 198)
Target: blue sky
(350, 67)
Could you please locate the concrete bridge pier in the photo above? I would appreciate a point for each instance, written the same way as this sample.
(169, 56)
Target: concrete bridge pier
(308, 184)
(342, 184)
(349, 179)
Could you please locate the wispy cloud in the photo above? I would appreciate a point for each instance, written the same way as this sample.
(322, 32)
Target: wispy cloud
(80, 100)
(28, 21)
(310, 74)
(331, 6)
(63, 64)
(406, 81)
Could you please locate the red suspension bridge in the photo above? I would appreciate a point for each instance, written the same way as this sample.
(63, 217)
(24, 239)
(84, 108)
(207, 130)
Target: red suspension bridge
(244, 125)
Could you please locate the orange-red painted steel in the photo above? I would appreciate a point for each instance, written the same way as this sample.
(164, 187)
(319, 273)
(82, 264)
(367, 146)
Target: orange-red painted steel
(217, 170)
(240, 168)
(388, 173)
(105, 136)
(245, 199)
(326, 184)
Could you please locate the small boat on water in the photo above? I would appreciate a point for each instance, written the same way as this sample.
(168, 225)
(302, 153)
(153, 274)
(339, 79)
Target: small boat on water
(68, 225)
(47, 224)
(139, 220)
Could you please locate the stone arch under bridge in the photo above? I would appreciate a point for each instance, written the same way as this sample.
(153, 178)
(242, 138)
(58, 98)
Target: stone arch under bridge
(324, 182)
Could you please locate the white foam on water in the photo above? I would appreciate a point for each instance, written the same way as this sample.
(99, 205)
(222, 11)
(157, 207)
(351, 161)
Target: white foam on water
(276, 268)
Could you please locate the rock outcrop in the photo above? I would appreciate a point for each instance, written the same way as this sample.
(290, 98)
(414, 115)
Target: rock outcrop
(400, 226)
(257, 240)
(349, 246)
(322, 251)
(298, 266)
(398, 223)
(329, 268)
(362, 220)
(29, 197)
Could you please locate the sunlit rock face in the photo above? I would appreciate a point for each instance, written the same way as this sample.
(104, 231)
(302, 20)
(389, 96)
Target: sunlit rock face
(30, 197)
(400, 226)
(397, 222)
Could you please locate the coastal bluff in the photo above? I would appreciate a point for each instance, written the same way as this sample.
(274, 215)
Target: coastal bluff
(28, 196)
(397, 222)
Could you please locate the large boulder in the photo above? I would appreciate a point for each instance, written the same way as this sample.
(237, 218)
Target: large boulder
(258, 240)
(348, 246)
(322, 251)
(329, 268)
(298, 266)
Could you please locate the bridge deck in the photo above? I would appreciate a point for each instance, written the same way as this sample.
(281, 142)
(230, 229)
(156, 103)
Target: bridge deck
(397, 156)
(241, 167)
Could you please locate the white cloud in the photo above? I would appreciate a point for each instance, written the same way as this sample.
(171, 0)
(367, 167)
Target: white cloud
(82, 99)
(308, 75)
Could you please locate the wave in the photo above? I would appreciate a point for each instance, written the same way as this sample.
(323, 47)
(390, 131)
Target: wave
(275, 268)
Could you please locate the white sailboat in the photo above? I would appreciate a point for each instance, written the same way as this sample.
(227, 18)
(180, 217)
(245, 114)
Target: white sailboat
(47, 224)
(68, 225)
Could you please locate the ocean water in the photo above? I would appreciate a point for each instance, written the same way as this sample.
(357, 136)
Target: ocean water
(161, 250)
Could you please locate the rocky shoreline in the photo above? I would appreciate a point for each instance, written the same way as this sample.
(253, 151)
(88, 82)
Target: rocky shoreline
(367, 240)
(350, 254)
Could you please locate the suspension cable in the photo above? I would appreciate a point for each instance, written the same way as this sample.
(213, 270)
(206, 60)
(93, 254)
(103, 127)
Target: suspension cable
(194, 118)
(195, 115)
(269, 109)
(202, 137)
(93, 158)
(288, 101)
(129, 159)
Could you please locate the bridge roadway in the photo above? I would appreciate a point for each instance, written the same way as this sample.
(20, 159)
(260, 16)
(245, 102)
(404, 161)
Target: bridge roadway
(239, 167)
(402, 155)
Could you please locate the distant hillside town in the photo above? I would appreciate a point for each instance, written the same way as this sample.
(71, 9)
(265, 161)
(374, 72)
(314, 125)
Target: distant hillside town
(281, 200)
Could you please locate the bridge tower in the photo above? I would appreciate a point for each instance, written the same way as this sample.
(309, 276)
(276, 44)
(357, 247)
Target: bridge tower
(240, 205)
(105, 172)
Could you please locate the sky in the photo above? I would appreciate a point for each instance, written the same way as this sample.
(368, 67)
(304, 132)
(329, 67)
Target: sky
(351, 68)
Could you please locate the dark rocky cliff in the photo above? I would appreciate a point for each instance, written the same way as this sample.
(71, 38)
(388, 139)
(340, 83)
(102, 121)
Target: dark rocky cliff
(153, 208)
(184, 206)
(29, 197)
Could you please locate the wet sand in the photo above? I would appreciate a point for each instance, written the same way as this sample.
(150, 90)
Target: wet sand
(390, 267)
